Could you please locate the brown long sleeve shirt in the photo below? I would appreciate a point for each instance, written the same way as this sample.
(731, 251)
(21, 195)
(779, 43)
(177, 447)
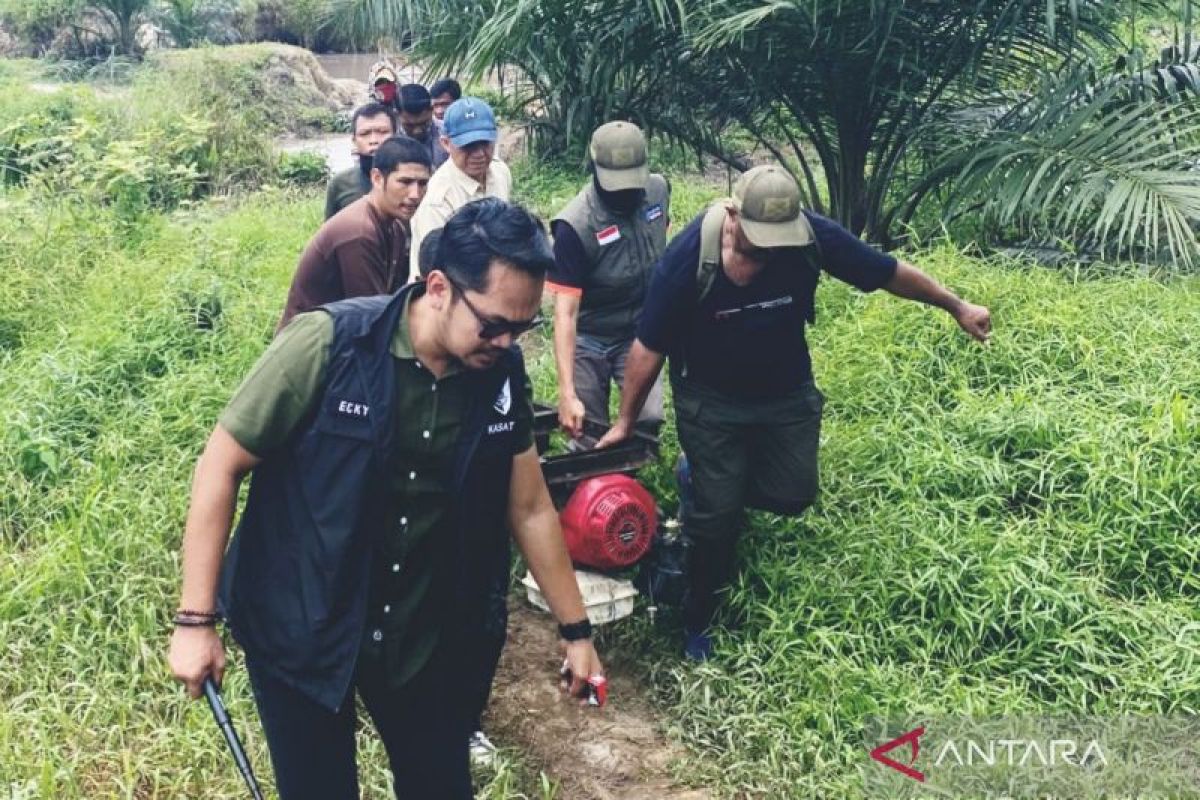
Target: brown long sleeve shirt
(357, 252)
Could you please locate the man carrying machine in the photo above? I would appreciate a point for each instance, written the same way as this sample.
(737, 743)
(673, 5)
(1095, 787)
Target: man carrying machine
(606, 241)
(728, 303)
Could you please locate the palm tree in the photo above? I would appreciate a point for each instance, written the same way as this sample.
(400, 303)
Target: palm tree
(849, 94)
(860, 78)
(1106, 164)
(123, 17)
(581, 62)
(191, 22)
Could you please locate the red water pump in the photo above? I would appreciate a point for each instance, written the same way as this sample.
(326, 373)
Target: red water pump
(609, 522)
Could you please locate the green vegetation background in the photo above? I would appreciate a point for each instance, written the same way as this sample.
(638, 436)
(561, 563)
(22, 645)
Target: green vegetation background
(1004, 529)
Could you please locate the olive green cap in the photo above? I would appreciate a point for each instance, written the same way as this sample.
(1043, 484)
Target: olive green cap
(618, 151)
(767, 200)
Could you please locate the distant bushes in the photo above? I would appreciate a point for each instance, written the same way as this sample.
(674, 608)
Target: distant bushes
(191, 124)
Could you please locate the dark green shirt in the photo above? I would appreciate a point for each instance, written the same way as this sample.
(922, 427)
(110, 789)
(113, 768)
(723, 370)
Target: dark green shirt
(407, 594)
(344, 188)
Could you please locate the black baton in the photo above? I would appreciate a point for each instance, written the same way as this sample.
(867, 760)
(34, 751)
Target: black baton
(213, 696)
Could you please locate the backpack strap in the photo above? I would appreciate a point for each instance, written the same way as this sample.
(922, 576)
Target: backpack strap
(710, 249)
(709, 261)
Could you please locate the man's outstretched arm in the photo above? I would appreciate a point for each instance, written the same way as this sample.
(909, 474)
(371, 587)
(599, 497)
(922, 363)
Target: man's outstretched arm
(196, 652)
(911, 283)
(535, 527)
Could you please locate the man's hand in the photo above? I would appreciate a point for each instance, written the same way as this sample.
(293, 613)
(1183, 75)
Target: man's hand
(975, 320)
(570, 415)
(620, 431)
(196, 654)
(584, 663)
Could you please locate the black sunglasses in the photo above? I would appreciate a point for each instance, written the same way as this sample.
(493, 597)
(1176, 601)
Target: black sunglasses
(491, 327)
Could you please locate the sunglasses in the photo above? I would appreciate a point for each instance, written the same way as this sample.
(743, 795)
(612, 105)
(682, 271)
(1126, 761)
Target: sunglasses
(493, 327)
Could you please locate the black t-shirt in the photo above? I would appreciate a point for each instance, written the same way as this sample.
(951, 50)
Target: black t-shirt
(571, 265)
(748, 341)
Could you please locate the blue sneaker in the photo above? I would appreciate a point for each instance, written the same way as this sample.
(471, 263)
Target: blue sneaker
(697, 647)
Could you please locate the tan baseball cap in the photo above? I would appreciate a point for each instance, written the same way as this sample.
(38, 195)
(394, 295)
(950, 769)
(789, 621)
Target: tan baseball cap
(767, 200)
(619, 152)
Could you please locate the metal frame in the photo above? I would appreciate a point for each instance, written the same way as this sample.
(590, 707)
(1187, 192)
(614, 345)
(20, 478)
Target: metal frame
(565, 471)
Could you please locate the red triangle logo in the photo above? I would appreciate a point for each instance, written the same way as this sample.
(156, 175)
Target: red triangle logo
(913, 738)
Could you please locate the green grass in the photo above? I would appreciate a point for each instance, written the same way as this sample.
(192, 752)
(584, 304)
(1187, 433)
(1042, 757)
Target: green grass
(1002, 529)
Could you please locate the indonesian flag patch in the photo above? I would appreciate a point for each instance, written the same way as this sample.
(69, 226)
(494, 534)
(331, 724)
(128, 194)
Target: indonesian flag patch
(608, 235)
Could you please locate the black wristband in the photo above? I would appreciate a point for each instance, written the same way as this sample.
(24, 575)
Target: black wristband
(574, 631)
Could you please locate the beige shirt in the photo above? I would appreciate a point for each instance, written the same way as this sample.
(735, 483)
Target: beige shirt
(449, 190)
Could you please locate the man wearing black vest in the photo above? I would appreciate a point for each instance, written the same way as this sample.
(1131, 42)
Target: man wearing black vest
(606, 241)
(391, 446)
(728, 304)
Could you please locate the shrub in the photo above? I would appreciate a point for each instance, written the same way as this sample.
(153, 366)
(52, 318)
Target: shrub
(304, 168)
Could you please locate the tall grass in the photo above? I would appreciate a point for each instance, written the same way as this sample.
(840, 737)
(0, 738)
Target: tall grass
(190, 124)
(1002, 530)
(1009, 529)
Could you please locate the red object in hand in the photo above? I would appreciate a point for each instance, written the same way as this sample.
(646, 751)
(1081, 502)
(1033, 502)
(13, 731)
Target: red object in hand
(595, 690)
(609, 522)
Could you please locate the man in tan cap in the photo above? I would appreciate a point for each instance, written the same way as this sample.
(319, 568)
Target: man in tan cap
(728, 303)
(606, 241)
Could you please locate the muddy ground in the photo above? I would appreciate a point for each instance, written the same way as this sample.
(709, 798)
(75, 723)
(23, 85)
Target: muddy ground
(613, 753)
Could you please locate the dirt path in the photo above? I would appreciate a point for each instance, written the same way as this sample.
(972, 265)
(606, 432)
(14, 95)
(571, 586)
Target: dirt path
(614, 753)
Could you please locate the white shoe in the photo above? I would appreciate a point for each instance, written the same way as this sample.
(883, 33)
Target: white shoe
(483, 752)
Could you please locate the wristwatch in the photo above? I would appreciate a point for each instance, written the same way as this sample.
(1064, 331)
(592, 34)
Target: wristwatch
(574, 631)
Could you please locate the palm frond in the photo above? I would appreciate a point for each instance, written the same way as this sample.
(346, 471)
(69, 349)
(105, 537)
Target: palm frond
(1122, 176)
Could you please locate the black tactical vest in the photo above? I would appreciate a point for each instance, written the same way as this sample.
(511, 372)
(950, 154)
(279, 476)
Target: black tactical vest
(294, 581)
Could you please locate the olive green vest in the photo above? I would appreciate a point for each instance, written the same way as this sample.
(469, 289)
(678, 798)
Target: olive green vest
(621, 251)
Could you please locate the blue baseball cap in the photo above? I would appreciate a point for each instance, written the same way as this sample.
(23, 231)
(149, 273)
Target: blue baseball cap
(469, 120)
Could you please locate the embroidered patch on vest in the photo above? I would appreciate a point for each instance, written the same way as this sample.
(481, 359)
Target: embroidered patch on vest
(348, 408)
(504, 399)
(653, 212)
(608, 235)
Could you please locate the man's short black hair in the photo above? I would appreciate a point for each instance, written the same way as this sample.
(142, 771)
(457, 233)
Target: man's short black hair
(446, 86)
(490, 230)
(427, 255)
(371, 110)
(413, 98)
(400, 150)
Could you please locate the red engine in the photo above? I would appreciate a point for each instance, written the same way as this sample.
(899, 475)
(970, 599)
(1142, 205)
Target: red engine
(609, 522)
